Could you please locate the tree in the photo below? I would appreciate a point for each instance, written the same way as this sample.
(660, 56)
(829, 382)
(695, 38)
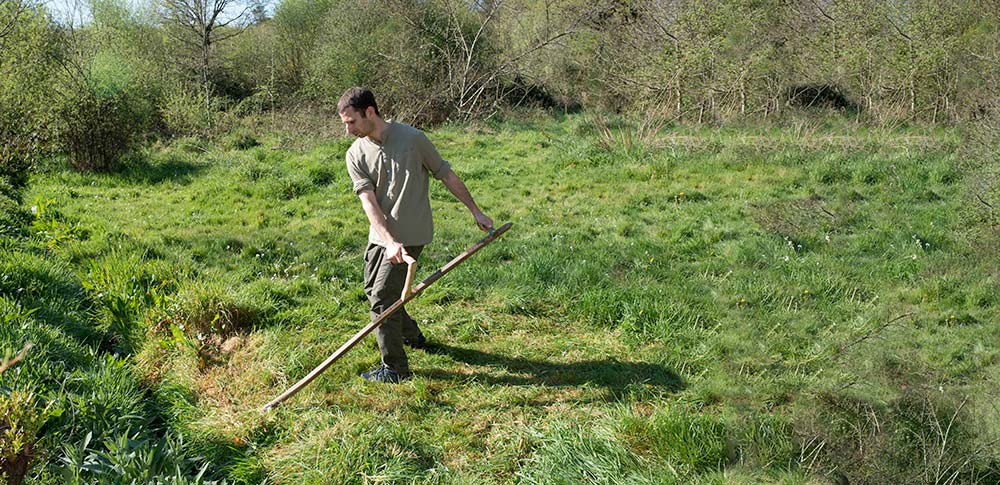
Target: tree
(10, 10)
(200, 24)
(479, 64)
(26, 52)
(298, 23)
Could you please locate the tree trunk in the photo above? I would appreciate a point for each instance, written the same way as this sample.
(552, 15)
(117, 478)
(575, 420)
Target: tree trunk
(205, 50)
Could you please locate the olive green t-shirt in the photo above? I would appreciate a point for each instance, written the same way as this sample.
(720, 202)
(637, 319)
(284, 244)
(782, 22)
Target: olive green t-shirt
(397, 171)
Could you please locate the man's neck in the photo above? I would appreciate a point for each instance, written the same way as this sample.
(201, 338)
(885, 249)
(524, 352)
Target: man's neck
(378, 135)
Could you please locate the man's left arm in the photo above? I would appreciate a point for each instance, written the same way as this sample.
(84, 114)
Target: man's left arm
(461, 192)
(442, 171)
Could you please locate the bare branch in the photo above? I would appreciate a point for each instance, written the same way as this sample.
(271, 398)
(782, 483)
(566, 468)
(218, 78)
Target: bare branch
(871, 333)
(19, 357)
(18, 8)
(896, 27)
(987, 204)
(821, 11)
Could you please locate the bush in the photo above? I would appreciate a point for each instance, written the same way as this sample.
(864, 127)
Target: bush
(241, 139)
(131, 458)
(24, 69)
(417, 82)
(103, 114)
(18, 148)
(184, 114)
(20, 421)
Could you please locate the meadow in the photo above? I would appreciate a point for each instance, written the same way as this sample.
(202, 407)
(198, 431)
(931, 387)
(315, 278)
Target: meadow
(807, 303)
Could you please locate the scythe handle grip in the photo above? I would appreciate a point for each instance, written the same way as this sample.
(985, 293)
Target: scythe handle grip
(411, 269)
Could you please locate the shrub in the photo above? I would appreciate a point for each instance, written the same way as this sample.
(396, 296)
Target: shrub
(24, 69)
(20, 421)
(18, 148)
(183, 113)
(131, 458)
(102, 114)
(241, 139)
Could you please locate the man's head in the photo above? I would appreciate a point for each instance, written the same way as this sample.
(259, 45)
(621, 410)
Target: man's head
(358, 111)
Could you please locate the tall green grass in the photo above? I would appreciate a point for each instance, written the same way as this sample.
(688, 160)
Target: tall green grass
(755, 304)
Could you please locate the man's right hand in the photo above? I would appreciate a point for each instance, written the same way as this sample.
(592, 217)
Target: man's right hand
(397, 254)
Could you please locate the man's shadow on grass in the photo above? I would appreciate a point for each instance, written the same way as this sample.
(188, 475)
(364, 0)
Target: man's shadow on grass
(615, 376)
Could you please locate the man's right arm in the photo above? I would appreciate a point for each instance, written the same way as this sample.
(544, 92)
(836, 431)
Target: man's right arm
(393, 249)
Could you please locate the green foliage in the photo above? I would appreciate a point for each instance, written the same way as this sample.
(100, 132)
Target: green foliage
(297, 24)
(50, 225)
(13, 216)
(724, 60)
(428, 62)
(103, 114)
(241, 139)
(131, 458)
(184, 114)
(67, 389)
(123, 287)
(104, 399)
(214, 309)
(257, 77)
(25, 66)
(22, 416)
(327, 68)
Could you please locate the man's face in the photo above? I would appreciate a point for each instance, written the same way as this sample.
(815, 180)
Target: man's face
(355, 124)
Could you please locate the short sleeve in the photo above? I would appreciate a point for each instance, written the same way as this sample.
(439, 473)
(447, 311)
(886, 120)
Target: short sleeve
(359, 174)
(431, 159)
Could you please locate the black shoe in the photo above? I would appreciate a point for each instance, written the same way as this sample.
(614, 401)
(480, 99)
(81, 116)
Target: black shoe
(419, 342)
(384, 374)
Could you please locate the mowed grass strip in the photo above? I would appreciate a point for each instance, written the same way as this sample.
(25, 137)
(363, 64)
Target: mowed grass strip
(740, 305)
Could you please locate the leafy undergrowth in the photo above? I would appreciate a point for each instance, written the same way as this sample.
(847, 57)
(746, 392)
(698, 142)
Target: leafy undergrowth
(741, 305)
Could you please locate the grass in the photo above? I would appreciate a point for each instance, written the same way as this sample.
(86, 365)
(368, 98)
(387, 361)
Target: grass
(793, 304)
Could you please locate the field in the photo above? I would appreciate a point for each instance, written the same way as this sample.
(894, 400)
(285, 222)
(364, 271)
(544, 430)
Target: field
(811, 303)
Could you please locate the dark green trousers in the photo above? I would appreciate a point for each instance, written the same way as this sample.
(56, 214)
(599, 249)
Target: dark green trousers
(383, 285)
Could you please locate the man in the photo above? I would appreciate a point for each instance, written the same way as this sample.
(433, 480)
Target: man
(389, 164)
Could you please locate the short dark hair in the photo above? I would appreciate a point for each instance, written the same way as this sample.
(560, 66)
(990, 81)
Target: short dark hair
(359, 98)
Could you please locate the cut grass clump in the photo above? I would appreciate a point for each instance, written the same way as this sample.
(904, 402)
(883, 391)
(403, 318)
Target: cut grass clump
(214, 308)
(370, 448)
(212, 320)
(570, 453)
(691, 443)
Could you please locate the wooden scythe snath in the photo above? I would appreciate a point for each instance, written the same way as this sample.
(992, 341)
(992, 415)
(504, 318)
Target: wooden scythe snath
(407, 295)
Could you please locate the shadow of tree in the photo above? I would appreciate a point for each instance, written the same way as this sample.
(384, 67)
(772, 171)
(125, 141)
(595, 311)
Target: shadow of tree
(144, 171)
(53, 306)
(611, 374)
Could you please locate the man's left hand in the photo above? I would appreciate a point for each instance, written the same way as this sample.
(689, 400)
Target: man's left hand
(483, 221)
